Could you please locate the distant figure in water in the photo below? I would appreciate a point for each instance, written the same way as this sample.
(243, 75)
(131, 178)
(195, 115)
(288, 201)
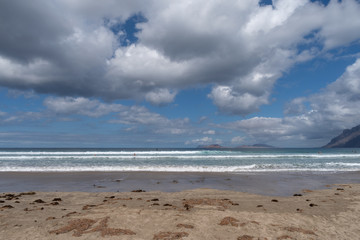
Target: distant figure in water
(134, 154)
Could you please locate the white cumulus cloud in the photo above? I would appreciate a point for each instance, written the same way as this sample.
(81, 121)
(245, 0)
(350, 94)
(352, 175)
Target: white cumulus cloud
(315, 119)
(70, 48)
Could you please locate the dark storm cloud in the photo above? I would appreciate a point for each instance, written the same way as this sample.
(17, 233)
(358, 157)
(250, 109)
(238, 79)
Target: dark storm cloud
(31, 30)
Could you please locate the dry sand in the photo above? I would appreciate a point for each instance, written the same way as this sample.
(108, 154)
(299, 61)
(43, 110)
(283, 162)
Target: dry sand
(196, 214)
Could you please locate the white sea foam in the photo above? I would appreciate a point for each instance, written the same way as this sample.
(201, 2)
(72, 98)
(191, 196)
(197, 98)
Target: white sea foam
(100, 153)
(175, 156)
(343, 164)
(167, 169)
(178, 161)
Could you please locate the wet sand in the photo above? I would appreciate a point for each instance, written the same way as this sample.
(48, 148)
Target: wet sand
(274, 184)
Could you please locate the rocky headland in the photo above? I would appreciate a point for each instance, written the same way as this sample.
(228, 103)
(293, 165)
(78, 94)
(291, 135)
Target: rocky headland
(349, 138)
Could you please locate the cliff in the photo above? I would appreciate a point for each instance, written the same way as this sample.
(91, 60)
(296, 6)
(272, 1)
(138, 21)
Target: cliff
(349, 138)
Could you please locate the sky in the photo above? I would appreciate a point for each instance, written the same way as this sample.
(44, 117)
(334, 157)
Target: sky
(157, 73)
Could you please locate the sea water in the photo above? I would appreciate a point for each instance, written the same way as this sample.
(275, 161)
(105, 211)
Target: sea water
(180, 160)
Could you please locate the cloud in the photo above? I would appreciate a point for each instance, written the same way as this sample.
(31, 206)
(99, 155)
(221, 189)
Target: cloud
(80, 106)
(237, 140)
(153, 122)
(138, 71)
(209, 132)
(62, 109)
(3, 116)
(20, 117)
(53, 139)
(261, 127)
(137, 123)
(200, 141)
(337, 104)
(70, 48)
(202, 119)
(315, 119)
(287, 132)
(140, 115)
(160, 96)
(230, 101)
(337, 33)
(137, 116)
(26, 94)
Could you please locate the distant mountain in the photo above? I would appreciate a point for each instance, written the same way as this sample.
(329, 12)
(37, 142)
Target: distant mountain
(350, 138)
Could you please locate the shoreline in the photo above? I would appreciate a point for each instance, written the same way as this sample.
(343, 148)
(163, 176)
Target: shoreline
(269, 183)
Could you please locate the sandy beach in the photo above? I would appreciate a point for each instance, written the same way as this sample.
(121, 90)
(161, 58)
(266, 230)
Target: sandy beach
(331, 213)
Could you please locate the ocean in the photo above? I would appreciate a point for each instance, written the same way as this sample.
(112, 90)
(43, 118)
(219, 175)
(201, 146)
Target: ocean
(180, 160)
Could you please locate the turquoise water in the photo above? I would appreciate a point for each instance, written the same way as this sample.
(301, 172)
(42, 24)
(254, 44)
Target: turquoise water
(180, 160)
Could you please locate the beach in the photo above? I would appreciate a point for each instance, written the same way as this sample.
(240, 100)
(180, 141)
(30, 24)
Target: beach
(320, 212)
(165, 120)
(179, 194)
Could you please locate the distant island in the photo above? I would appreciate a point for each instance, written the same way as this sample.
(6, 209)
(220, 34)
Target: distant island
(217, 146)
(349, 138)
